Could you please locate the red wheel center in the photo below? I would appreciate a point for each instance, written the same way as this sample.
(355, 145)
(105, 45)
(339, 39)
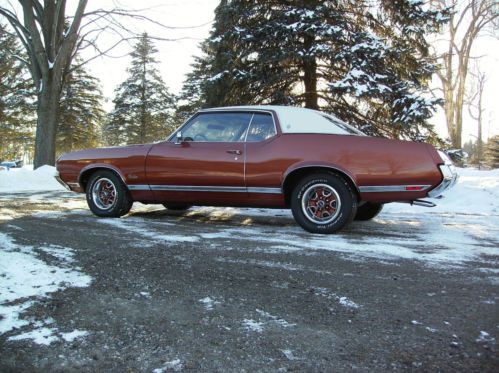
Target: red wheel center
(322, 203)
(107, 194)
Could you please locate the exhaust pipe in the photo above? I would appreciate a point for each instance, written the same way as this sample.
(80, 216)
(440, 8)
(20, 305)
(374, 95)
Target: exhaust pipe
(422, 202)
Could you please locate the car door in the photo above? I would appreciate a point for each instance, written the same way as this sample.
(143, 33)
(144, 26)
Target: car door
(206, 165)
(264, 161)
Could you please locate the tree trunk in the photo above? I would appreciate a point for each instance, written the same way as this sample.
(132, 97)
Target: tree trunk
(459, 104)
(479, 120)
(46, 126)
(310, 81)
(310, 77)
(143, 121)
(449, 110)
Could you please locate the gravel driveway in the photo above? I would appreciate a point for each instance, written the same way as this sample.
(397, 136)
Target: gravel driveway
(234, 290)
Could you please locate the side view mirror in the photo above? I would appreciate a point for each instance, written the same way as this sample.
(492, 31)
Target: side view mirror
(178, 139)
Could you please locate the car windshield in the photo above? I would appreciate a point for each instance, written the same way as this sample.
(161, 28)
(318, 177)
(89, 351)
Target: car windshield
(348, 129)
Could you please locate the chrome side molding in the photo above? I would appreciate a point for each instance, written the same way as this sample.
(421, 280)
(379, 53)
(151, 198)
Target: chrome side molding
(198, 188)
(393, 188)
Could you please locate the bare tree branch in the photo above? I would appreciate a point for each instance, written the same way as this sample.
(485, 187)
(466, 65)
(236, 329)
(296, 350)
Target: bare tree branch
(467, 24)
(52, 39)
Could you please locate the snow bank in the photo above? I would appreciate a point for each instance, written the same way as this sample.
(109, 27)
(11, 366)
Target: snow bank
(24, 179)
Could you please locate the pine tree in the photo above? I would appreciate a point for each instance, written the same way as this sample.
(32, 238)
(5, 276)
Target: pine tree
(17, 101)
(365, 61)
(492, 152)
(81, 114)
(143, 107)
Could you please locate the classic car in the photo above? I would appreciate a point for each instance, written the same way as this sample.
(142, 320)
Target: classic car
(326, 171)
(8, 165)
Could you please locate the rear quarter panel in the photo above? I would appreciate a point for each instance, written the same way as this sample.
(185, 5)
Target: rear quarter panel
(369, 161)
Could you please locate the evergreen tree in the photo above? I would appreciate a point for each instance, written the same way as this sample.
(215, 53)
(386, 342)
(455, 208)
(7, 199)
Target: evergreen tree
(367, 62)
(389, 69)
(143, 107)
(80, 114)
(492, 152)
(17, 97)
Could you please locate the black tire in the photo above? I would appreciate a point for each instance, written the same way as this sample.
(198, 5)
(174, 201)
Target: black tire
(176, 207)
(368, 210)
(117, 202)
(337, 203)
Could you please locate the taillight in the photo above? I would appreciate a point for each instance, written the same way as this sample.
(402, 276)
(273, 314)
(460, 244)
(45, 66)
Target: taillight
(414, 188)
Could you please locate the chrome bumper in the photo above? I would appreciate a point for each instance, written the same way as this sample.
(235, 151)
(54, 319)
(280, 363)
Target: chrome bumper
(450, 177)
(57, 177)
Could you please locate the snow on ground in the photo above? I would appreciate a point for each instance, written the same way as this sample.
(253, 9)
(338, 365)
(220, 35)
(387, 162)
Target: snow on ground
(265, 320)
(170, 366)
(252, 325)
(445, 239)
(344, 301)
(289, 355)
(26, 277)
(141, 228)
(441, 240)
(209, 303)
(25, 179)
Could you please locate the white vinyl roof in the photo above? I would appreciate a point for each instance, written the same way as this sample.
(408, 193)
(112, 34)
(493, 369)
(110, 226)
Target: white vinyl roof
(300, 120)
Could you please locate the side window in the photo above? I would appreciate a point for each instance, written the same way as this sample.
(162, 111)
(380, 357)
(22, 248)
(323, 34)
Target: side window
(261, 127)
(217, 127)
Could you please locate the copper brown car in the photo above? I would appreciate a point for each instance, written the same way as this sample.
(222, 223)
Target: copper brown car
(326, 171)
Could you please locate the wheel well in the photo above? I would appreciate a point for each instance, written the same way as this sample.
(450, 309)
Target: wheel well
(87, 174)
(295, 176)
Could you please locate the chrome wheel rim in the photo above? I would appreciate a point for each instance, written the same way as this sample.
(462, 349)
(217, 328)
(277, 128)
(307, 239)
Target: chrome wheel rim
(321, 203)
(104, 194)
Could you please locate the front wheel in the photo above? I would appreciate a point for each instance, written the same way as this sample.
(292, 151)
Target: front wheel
(368, 210)
(107, 196)
(323, 203)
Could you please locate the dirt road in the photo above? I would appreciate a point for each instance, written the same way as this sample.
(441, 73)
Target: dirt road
(233, 290)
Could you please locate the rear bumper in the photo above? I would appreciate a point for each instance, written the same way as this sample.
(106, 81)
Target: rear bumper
(449, 179)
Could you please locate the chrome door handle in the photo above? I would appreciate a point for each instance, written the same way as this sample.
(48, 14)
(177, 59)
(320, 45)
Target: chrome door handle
(238, 152)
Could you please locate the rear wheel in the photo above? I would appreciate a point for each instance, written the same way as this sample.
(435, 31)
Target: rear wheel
(176, 207)
(368, 210)
(323, 203)
(107, 196)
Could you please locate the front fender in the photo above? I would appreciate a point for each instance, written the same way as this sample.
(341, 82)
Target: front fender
(85, 171)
